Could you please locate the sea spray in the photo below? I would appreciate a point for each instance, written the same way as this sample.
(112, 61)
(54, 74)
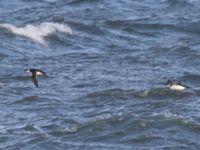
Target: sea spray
(37, 32)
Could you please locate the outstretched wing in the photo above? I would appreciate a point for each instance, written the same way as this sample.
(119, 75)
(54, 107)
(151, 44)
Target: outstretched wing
(44, 74)
(41, 72)
(34, 79)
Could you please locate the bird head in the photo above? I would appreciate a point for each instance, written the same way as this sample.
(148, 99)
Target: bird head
(169, 83)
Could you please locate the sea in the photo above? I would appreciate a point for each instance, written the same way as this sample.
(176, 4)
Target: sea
(107, 62)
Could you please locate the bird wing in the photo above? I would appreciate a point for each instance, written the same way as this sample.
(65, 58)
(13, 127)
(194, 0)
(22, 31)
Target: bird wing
(42, 72)
(34, 79)
(183, 84)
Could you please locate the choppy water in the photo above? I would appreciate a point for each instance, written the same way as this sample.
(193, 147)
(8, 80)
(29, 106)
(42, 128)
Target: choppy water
(107, 63)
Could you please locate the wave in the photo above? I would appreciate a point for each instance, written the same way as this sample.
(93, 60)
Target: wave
(182, 2)
(141, 94)
(137, 24)
(82, 1)
(37, 32)
(143, 27)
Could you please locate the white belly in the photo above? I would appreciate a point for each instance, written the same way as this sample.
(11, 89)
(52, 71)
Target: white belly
(39, 73)
(177, 87)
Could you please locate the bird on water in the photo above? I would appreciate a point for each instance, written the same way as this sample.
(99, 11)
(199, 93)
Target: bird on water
(176, 86)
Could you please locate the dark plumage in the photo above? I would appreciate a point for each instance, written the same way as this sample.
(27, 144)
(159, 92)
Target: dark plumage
(173, 85)
(35, 73)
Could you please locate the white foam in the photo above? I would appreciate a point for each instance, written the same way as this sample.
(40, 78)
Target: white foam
(166, 114)
(37, 32)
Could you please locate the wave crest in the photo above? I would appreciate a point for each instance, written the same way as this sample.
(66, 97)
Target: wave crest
(37, 32)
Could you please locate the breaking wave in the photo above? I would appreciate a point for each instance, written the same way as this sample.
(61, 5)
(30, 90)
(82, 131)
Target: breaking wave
(37, 32)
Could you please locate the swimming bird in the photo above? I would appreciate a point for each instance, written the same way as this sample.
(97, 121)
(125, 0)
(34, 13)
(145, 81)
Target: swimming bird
(35, 73)
(176, 86)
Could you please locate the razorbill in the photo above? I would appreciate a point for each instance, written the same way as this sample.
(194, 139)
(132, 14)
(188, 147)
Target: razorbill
(35, 73)
(176, 86)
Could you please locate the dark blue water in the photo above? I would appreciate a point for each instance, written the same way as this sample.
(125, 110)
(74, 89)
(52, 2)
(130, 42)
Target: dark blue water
(107, 62)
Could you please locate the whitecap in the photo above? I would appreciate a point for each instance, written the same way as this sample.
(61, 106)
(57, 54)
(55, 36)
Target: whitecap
(167, 114)
(37, 32)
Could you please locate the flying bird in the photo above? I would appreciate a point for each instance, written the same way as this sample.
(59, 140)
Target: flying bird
(35, 73)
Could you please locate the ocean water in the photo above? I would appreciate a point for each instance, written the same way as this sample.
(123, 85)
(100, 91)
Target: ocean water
(107, 62)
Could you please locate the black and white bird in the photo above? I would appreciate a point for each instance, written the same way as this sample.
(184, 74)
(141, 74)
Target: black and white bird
(176, 86)
(35, 73)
